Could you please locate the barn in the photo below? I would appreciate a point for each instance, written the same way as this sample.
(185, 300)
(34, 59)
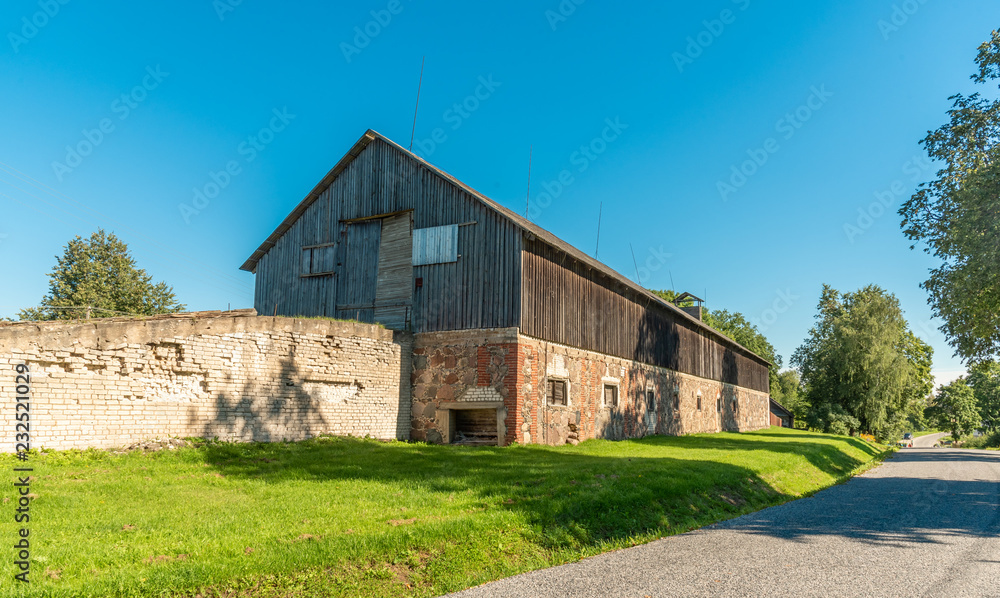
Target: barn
(516, 335)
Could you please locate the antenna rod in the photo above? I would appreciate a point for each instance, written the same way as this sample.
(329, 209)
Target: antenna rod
(636, 264)
(419, 84)
(672, 287)
(527, 198)
(600, 210)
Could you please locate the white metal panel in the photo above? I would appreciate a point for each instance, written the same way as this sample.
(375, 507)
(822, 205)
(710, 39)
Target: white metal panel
(435, 245)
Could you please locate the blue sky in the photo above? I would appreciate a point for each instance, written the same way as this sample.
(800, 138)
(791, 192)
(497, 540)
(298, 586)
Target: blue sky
(115, 114)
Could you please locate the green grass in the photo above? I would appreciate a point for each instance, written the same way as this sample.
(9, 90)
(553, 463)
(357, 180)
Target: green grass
(330, 319)
(351, 517)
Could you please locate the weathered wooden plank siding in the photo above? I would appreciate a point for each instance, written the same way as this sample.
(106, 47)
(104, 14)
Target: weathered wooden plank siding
(480, 290)
(569, 303)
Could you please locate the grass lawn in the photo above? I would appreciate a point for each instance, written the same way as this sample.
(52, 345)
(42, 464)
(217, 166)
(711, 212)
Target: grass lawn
(351, 517)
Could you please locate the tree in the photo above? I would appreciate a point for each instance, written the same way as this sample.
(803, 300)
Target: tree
(957, 217)
(921, 384)
(790, 395)
(736, 327)
(954, 409)
(98, 276)
(861, 364)
(984, 379)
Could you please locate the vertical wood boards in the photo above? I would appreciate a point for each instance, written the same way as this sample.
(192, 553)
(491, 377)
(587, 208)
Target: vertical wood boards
(567, 302)
(480, 290)
(394, 286)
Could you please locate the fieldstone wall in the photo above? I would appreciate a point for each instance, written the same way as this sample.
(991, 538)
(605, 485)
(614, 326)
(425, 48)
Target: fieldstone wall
(464, 369)
(681, 403)
(503, 368)
(231, 375)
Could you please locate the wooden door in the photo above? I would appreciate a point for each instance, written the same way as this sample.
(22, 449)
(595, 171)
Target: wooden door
(394, 291)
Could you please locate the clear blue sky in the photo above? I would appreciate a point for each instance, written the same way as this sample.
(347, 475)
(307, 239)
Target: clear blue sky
(862, 81)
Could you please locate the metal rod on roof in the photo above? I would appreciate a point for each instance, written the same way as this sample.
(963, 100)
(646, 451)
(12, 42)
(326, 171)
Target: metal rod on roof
(527, 198)
(636, 264)
(415, 109)
(600, 210)
(672, 287)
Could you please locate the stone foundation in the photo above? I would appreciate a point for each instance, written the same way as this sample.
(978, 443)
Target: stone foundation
(502, 368)
(463, 370)
(674, 409)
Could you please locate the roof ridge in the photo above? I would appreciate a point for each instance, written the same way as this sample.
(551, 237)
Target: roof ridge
(544, 235)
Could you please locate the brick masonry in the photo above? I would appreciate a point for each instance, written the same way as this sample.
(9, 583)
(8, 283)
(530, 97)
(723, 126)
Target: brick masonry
(111, 383)
(108, 383)
(466, 366)
(455, 369)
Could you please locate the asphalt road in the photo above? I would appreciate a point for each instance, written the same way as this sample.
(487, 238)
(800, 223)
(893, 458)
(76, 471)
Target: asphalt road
(925, 523)
(928, 441)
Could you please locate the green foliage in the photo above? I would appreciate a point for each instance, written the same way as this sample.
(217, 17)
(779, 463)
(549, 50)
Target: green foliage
(351, 517)
(954, 409)
(736, 327)
(98, 276)
(984, 379)
(957, 217)
(861, 365)
(989, 440)
(790, 394)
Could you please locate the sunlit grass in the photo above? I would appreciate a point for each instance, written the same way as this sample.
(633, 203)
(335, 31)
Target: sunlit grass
(346, 517)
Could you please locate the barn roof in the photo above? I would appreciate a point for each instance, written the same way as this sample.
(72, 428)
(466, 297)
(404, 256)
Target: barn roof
(540, 233)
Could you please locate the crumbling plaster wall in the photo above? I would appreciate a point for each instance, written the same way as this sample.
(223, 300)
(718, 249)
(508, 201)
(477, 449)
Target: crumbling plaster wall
(106, 383)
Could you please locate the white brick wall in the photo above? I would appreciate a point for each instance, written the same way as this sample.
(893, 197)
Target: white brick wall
(105, 384)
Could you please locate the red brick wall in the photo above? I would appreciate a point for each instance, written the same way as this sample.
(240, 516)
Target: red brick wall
(505, 367)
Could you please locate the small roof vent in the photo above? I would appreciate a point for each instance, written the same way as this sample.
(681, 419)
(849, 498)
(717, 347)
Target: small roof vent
(695, 307)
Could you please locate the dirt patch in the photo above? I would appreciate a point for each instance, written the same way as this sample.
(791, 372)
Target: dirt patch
(398, 522)
(736, 501)
(151, 446)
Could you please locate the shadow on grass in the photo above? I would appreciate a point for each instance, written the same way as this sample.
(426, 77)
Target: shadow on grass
(571, 497)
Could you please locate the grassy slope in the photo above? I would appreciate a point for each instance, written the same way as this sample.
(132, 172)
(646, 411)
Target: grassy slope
(338, 516)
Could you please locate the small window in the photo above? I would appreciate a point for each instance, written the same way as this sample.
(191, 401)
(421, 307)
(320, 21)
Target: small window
(555, 393)
(677, 402)
(718, 404)
(610, 395)
(650, 401)
(317, 261)
(699, 400)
